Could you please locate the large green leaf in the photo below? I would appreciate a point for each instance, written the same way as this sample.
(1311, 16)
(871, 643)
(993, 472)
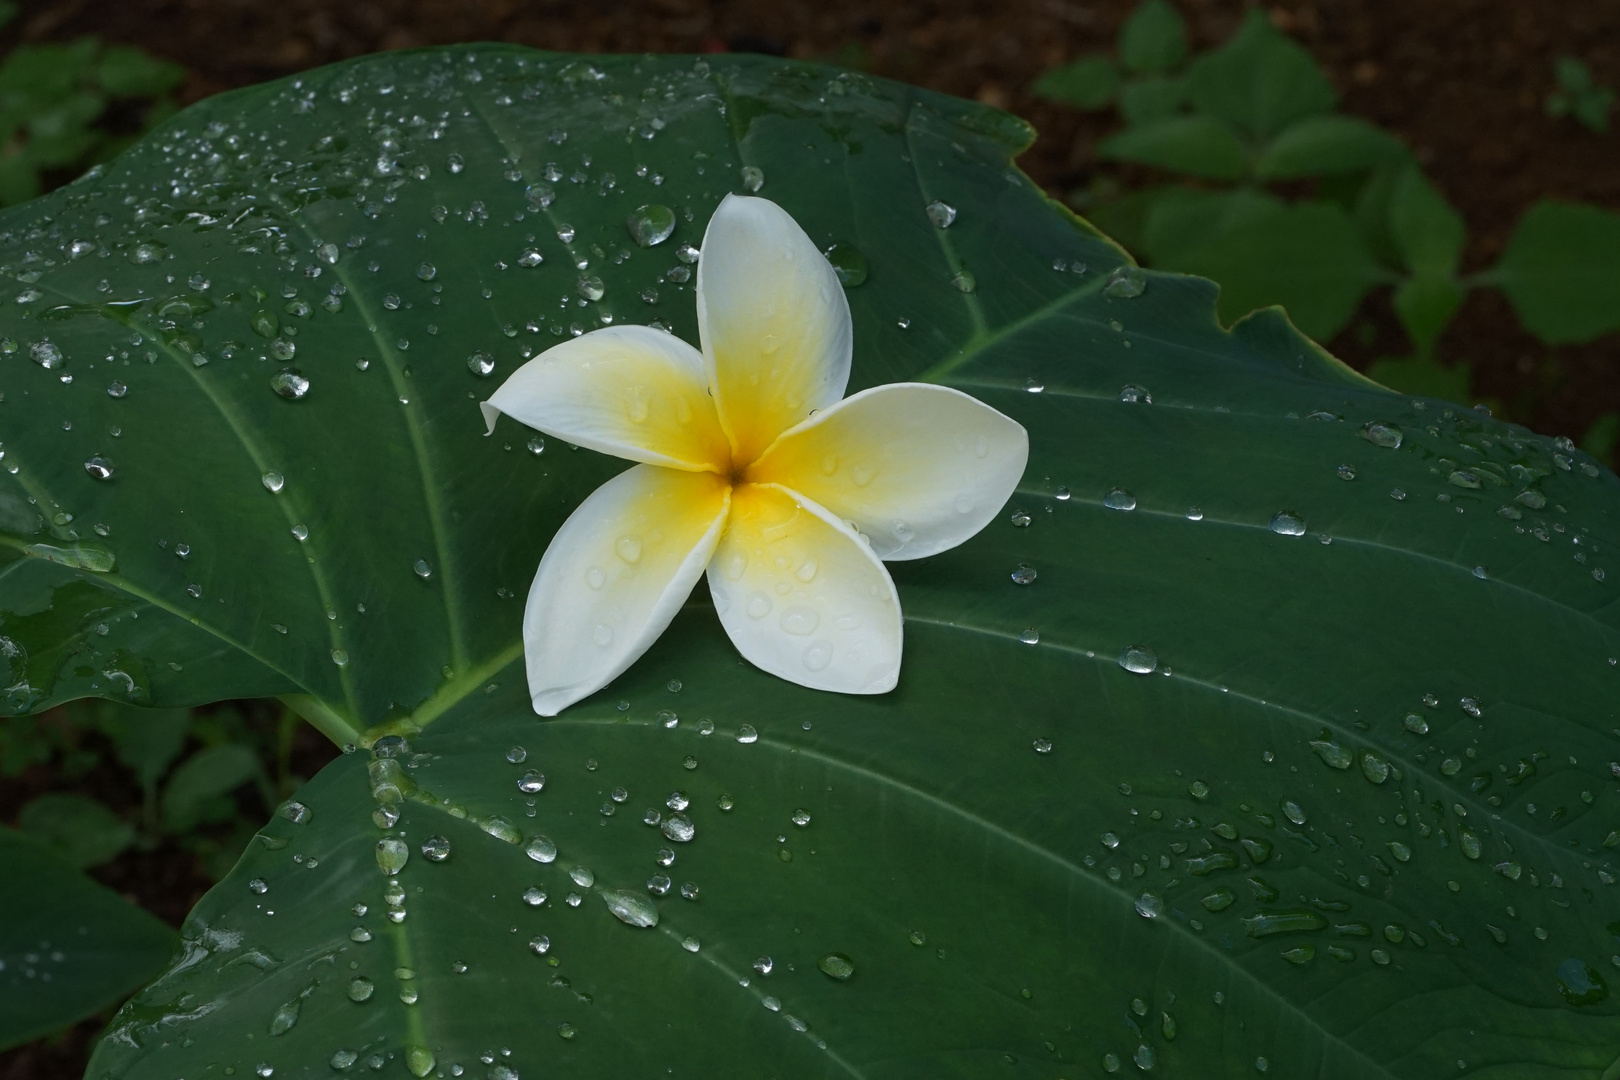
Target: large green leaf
(1162, 804)
(68, 947)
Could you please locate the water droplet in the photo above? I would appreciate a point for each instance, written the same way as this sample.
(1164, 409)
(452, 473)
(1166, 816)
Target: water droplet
(1287, 523)
(1479, 572)
(1062, 494)
(340, 657)
(481, 364)
(1581, 984)
(532, 782)
(99, 468)
(540, 945)
(531, 257)
(1024, 574)
(116, 389)
(47, 355)
(628, 548)
(679, 828)
(361, 988)
(289, 383)
(1139, 660)
(1292, 812)
(836, 966)
(1380, 433)
(632, 909)
(1416, 724)
(590, 287)
(964, 281)
(801, 817)
(1119, 499)
(1125, 283)
(848, 263)
(746, 734)
(1149, 906)
(541, 849)
(650, 225)
(941, 214)
(436, 849)
(1136, 395)
(1347, 472)
(392, 855)
(426, 272)
(1030, 636)
(582, 876)
(752, 178)
(423, 568)
(1042, 746)
(273, 482)
(1020, 519)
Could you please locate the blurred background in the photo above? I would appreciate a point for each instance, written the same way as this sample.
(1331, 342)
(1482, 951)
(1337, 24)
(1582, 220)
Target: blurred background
(1442, 212)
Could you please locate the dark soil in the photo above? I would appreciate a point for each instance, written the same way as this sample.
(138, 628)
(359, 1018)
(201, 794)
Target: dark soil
(1462, 81)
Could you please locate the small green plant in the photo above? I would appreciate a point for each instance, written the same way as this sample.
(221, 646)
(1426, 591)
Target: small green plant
(1579, 95)
(1283, 200)
(187, 765)
(65, 107)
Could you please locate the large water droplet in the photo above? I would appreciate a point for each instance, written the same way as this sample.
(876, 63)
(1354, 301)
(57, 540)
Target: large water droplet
(679, 828)
(541, 849)
(651, 224)
(941, 214)
(632, 909)
(1581, 984)
(1139, 660)
(1024, 574)
(1125, 283)
(836, 966)
(99, 468)
(1382, 434)
(392, 855)
(290, 383)
(436, 849)
(753, 178)
(590, 287)
(1119, 499)
(47, 355)
(848, 264)
(481, 364)
(1287, 523)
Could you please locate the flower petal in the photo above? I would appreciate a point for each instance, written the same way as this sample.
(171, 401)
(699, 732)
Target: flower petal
(630, 391)
(802, 597)
(918, 468)
(773, 321)
(614, 576)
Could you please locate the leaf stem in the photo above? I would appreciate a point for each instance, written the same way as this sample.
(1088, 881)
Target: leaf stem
(328, 721)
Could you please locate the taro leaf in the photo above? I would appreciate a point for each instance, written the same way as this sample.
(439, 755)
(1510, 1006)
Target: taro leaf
(1326, 145)
(1087, 83)
(1029, 860)
(1154, 38)
(1259, 80)
(1306, 257)
(75, 828)
(1561, 270)
(68, 947)
(1195, 145)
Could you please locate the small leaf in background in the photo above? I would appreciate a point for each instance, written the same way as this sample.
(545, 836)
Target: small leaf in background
(1325, 145)
(127, 71)
(1259, 80)
(1306, 257)
(1195, 145)
(1154, 38)
(1087, 83)
(76, 828)
(148, 741)
(1580, 96)
(1602, 437)
(1151, 97)
(1425, 304)
(205, 777)
(68, 947)
(1422, 376)
(1426, 229)
(1561, 271)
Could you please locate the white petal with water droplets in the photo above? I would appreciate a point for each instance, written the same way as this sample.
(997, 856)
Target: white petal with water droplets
(630, 391)
(802, 597)
(918, 468)
(614, 576)
(773, 320)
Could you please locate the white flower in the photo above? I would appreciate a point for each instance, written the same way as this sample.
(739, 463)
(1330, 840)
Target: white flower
(754, 467)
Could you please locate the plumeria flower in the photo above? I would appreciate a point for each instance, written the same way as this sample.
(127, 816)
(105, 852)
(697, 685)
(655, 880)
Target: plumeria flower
(754, 468)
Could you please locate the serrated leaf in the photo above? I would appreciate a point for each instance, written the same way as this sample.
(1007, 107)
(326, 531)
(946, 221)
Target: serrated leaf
(965, 890)
(1154, 38)
(1259, 80)
(1561, 270)
(1325, 146)
(1086, 83)
(68, 947)
(1195, 145)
